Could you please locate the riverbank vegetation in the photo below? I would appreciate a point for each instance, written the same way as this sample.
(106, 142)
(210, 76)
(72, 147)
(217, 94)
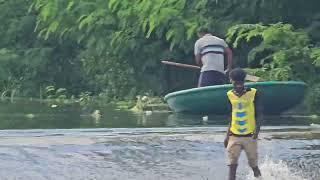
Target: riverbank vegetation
(111, 50)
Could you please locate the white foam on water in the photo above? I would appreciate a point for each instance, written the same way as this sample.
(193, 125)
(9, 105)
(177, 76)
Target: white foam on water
(271, 170)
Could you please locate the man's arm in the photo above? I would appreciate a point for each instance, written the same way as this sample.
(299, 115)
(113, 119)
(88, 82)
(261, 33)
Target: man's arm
(198, 59)
(228, 54)
(258, 115)
(197, 53)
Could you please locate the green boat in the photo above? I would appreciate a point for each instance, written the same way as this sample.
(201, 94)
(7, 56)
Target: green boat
(276, 96)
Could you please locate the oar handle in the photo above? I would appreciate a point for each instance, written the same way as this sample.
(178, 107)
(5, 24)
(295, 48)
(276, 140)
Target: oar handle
(181, 65)
(248, 77)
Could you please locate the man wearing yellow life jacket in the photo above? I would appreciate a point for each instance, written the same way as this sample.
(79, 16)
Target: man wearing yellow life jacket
(245, 123)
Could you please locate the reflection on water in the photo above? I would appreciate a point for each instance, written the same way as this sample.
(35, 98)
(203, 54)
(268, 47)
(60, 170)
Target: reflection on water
(69, 142)
(35, 115)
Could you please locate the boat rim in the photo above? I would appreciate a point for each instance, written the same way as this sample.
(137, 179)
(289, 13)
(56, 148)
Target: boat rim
(208, 88)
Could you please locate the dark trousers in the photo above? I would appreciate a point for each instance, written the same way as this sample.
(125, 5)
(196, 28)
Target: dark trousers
(210, 78)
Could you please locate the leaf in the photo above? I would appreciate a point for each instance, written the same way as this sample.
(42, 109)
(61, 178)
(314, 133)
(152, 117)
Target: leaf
(52, 28)
(172, 44)
(70, 5)
(113, 4)
(170, 34)
(152, 25)
(49, 89)
(180, 4)
(315, 55)
(144, 26)
(61, 91)
(86, 20)
(191, 29)
(260, 50)
(256, 32)
(42, 32)
(201, 4)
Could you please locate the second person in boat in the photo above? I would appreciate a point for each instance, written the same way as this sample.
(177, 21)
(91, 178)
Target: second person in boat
(210, 52)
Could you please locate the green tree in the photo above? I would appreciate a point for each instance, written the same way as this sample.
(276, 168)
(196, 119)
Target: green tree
(113, 48)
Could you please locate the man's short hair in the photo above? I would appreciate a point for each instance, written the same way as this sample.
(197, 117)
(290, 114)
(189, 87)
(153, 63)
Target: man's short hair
(237, 74)
(203, 30)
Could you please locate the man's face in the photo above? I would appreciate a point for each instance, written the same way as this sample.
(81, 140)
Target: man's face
(238, 85)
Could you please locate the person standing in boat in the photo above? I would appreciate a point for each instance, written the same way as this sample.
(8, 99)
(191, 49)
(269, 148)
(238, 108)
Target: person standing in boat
(244, 126)
(209, 53)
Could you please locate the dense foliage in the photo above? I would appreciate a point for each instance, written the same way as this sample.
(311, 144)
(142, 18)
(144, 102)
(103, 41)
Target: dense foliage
(113, 48)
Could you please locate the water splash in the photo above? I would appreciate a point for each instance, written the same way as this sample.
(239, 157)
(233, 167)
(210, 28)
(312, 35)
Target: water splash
(276, 171)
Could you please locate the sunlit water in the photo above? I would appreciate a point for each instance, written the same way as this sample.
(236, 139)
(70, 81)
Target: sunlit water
(69, 143)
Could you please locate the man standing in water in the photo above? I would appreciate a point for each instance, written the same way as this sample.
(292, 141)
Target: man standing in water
(245, 124)
(209, 53)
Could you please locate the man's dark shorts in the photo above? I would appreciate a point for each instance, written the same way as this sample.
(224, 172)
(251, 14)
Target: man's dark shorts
(210, 78)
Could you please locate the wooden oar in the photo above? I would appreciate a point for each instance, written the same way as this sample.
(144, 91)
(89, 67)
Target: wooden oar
(181, 65)
(248, 77)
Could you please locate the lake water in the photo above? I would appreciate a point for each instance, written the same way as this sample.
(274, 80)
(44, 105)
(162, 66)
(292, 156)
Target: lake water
(41, 141)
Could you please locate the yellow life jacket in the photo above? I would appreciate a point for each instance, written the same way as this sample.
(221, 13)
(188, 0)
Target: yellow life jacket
(243, 112)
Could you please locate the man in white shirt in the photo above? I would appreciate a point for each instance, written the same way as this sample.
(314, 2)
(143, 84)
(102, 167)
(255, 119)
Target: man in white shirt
(209, 52)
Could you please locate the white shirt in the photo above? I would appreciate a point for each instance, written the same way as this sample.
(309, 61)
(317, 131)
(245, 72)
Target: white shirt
(211, 61)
